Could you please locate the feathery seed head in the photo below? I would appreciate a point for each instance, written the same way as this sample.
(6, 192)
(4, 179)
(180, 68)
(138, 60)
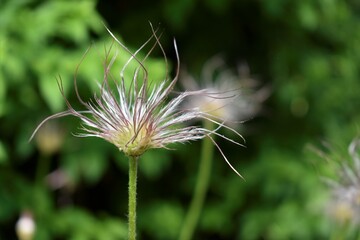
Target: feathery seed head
(139, 116)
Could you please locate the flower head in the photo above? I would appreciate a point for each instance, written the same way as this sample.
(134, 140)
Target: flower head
(229, 97)
(135, 117)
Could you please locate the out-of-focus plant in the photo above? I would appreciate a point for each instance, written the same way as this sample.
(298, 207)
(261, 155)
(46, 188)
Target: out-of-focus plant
(342, 179)
(229, 99)
(27, 27)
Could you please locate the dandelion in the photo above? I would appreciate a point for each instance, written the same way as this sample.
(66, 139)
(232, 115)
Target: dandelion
(228, 98)
(136, 117)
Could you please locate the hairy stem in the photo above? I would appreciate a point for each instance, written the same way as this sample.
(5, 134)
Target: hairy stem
(201, 187)
(132, 197)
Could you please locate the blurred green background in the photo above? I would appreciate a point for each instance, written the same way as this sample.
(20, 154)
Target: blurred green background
(307, 52)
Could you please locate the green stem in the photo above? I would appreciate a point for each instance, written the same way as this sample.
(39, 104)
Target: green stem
(340, 232)
(132, 197)
(201, 187)
(357, 236)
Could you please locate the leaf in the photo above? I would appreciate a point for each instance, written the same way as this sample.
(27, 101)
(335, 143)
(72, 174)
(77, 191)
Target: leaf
(76, 223)
(51, 93)
(307, 15)
(2, 84)
(154, 162)
(166, 216)
(3, 154)
(89, 164)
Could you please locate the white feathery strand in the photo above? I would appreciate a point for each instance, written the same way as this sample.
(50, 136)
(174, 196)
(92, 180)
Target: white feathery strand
(226, 160)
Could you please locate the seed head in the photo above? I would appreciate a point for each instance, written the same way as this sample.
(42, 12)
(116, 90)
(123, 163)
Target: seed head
(138, 116)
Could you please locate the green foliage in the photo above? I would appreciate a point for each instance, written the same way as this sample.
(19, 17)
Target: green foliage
(307, 52)
(77, 224)
(42, 43)
(151, 170)
(166, 216)
(26, 29)
(3, 154)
